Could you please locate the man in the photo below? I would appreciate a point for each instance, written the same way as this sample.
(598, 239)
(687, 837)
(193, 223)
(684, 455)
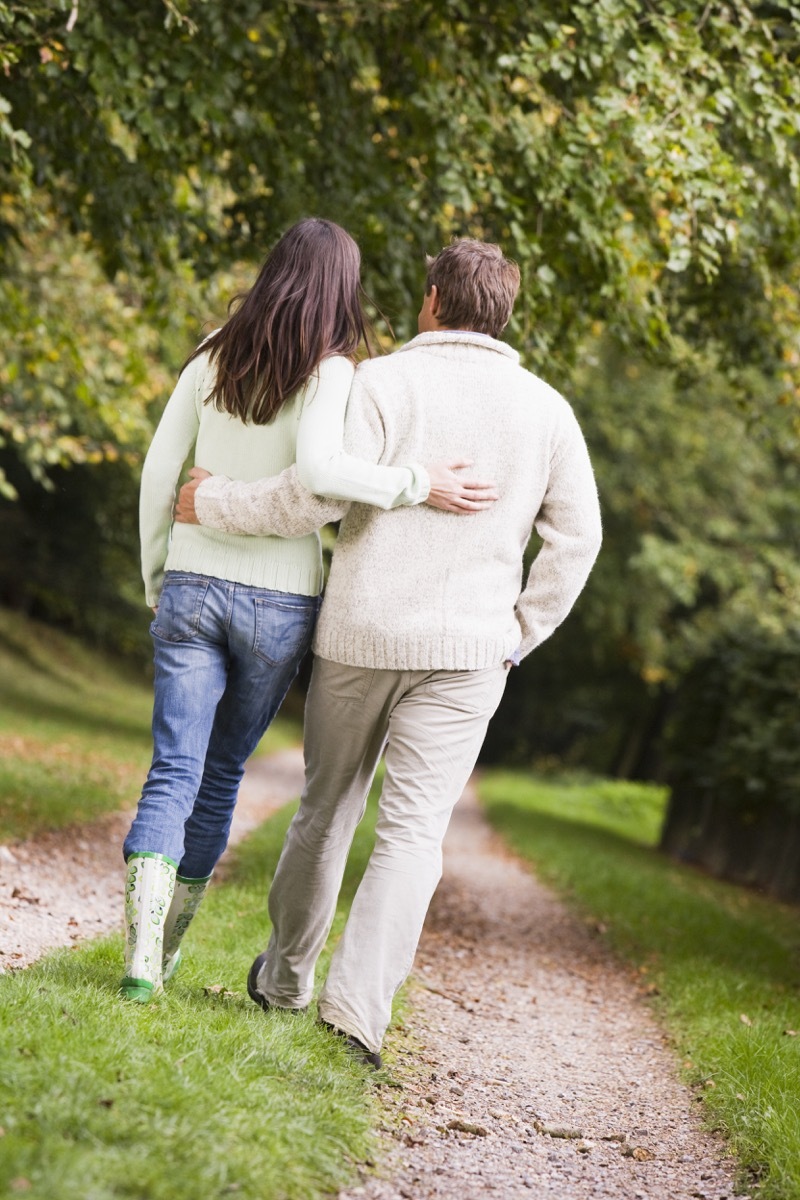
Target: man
(423, 616)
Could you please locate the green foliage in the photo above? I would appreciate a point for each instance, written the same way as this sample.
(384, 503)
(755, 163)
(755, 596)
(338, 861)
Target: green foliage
(733, 763)
(720, 961)
(198, 1093)
(701, 505)
(629, 158)
(734, 728)
(80, 365)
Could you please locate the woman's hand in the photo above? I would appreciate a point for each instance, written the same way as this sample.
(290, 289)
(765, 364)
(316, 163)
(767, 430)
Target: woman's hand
(452, 493)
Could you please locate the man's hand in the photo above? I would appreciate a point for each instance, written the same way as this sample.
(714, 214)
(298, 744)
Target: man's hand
(184, 510)
(453, 494)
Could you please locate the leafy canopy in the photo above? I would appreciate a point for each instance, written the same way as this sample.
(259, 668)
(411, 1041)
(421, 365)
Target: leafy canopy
(640, 160)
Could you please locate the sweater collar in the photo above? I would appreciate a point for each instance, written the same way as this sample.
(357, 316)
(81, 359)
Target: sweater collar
(440, 337)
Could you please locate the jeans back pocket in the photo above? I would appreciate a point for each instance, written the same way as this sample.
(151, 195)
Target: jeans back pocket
(283, 629)
(180, 607)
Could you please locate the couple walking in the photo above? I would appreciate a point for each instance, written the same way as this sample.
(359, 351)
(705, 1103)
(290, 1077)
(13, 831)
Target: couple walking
(425, 609)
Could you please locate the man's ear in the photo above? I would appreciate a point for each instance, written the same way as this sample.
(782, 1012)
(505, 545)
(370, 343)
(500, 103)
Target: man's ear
(434, 295)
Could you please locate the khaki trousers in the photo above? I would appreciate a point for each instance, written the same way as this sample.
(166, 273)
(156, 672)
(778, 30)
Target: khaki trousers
(434, 723)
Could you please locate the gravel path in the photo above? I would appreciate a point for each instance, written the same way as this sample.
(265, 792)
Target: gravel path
(532, 1064)
(529, 1064)
(67, 886)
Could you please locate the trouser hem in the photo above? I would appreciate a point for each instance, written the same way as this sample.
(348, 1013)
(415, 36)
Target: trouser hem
(346, 1024)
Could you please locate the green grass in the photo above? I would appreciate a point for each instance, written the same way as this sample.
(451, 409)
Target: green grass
(722, 962)
(199, 1093)
(74, 730)
(196, 1094)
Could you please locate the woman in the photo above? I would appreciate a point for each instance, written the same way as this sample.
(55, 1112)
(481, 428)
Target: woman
(234, 616)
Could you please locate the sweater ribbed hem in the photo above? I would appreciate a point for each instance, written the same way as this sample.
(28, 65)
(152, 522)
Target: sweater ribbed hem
(383, 652)
(302, 580)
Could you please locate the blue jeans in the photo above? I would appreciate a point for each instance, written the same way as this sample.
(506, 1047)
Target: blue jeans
(225, 655)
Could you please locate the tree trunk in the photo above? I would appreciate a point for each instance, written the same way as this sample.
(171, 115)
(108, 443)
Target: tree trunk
(638, 756)
(758, 846)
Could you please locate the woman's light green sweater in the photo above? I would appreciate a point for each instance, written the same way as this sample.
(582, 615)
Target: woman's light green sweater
(309, 429)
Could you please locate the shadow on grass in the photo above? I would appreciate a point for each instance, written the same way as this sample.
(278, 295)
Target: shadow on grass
(19, 649)
(73, 717)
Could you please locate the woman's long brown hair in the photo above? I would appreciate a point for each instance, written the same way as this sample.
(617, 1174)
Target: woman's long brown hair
(304, 306)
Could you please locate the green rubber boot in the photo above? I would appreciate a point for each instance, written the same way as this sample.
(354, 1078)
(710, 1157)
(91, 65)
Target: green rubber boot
(186, 900)
(148, 892)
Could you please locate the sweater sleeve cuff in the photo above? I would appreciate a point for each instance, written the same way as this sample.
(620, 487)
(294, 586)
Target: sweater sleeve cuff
(419, 489)
(152, 593)
(209, 504)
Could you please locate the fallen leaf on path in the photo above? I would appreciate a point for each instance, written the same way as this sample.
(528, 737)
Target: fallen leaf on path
(639, 1153)
(557, 1131)
(467, 1127)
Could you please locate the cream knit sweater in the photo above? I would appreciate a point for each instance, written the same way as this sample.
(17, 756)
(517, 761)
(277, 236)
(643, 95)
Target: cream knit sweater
(418, 588)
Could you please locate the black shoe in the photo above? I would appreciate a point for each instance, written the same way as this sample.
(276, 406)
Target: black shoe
(362, 1053)
(252, 992)
(255, 994)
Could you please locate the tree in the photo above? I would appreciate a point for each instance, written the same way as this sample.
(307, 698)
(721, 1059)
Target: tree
(734, 761)
(640, 160)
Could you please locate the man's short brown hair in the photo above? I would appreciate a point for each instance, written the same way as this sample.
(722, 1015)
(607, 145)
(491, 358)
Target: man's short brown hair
(477, 286)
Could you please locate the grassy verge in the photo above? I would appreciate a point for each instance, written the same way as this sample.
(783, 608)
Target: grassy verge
(197, 1094)
(74, 731)
(721, 962)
